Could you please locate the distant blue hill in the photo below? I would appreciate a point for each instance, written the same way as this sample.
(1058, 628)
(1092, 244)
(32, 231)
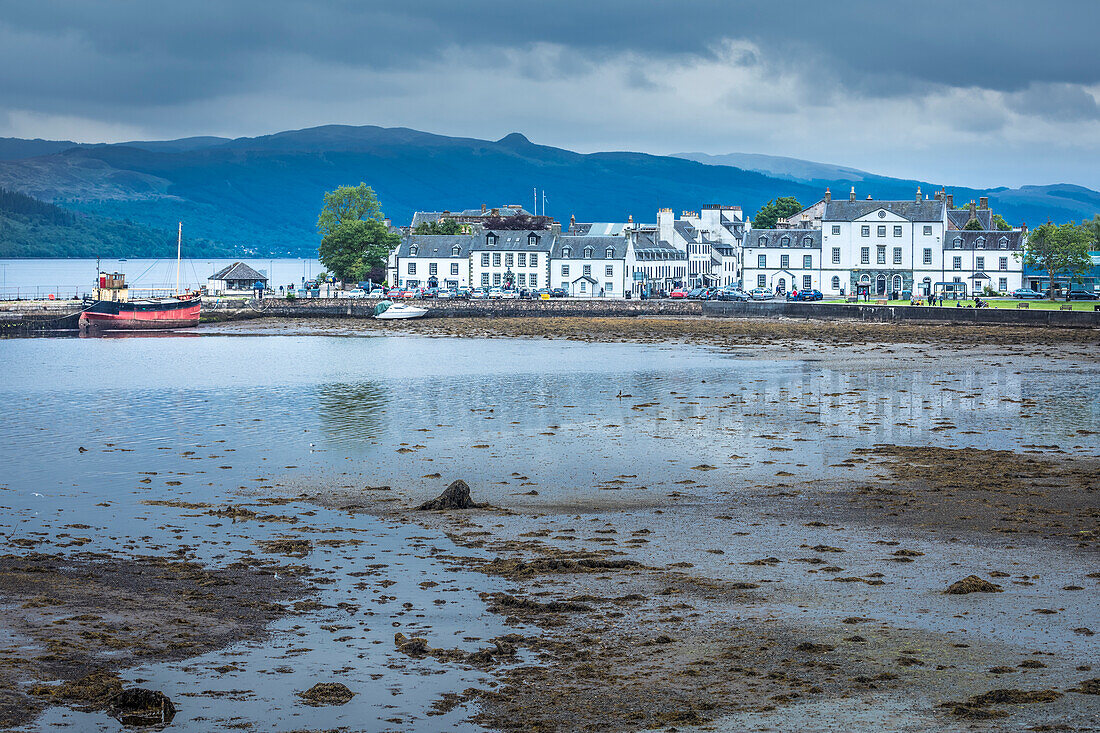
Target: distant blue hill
(264, 193)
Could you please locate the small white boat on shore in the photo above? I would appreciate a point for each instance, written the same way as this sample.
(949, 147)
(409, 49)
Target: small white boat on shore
(386, 311)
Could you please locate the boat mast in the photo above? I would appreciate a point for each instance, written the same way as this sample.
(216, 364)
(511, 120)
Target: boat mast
(179, 243)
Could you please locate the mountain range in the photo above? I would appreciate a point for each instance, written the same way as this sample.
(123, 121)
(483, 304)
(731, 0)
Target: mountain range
(263, 194)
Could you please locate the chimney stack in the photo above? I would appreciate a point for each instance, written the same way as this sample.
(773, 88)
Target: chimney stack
(852, 194)
(1023, 227)
(555, 228)
(629, 218)
(983, 202)
(483, 208)
(950, 200)
(828, 195)
(572, 222)
(918, 194)
(973, 209)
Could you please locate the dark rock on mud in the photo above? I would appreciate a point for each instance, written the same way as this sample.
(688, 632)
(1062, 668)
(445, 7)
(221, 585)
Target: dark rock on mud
(326, 693)
(455, 496)
(139, 707)
(972, 584)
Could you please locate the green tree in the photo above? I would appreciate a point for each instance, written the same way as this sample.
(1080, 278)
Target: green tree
(1059, 250)
(355, 247)
(973, 225)
(443, 226)
(1002, 225)
(348, 203)
(774, 210)
(1094, 227)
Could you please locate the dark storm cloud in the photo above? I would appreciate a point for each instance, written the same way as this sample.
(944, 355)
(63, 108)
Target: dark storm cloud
(160, 53)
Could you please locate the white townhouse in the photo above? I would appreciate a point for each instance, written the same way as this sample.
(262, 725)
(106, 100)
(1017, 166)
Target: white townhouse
(431, 261)
(652, 264)
(711, 238)
(587, 265)
(783, 259)
(511, 259)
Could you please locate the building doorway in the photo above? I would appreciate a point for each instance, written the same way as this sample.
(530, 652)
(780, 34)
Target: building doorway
(880, 285)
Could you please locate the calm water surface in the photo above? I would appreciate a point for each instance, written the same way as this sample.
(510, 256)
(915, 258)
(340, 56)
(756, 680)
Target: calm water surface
(225, 415)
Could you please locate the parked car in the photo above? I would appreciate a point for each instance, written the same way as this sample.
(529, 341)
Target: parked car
(680, 293)
(377, 294)
(478, 293)
(807, 294)
(355, 293)
(509, 294)
(762, 294)
(495, 293)
(1082, 295)
(429, 292)
(731, 294)
(1025, 294)
(558, 293)
(393, 293)
(446, 294)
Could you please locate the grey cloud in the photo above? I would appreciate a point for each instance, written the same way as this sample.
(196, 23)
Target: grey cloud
(1055, 102)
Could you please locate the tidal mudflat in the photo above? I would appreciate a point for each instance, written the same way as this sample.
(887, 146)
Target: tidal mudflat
(733, 530)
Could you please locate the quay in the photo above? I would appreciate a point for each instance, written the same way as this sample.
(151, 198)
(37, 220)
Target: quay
(26, 318)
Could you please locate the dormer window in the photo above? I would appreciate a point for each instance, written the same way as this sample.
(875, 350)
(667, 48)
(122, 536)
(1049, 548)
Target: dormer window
(413, 250)
(532, 240)
(980, 243)
(455, 250)
(807, 241)
(490, 239)
(762, 241)
(957, 243)
(588, 253)
(785, 242)
(566, 252)
(1003, 243)
(610, 253)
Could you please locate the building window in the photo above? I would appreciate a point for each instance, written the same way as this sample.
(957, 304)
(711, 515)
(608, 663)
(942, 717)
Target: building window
(762, 241)
(454, 268)
(979, 263)
(928, 230)
(1003, 264)
(455, 251)
(1002, 284)
(534, 260)
(484, 279)
(807, 283)
(522, 259)
(496, 259)
(807, 241)
(433, 268)
(836, 229)
(484, 259)
(897, 255)
(897, 231)
(609, 271)
(534, 280)
(584, 286)
(566, 252)
(881, 230)
(761, 261)
(761, 281)
(785, 242)
(864, 255)
(897, 282)
(928, 255)
(532, 240)
(836, 255)
(836, 283)
(412, 268)
(979, 243)
(865, 231)
(587, 270)
(521, 279)
(609, 253)
(496, 279)
(1003, 243)
(413, 250)
(957, 243)
(565, 270)
(588, 253)
(784, 261)
(508, 260)
(957, 263)
(880, 254)
(490, 239)
(807, 261)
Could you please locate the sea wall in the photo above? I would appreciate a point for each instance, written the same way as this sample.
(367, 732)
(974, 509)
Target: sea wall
(343, 307)
(906, 313)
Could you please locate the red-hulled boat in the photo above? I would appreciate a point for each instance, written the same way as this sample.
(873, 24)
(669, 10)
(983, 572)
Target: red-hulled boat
(112, 309)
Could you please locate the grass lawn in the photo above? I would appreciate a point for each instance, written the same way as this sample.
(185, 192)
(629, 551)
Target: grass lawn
(1077, 305)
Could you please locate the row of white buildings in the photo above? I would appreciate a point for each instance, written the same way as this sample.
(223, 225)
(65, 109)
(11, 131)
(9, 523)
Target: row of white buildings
(923, 245)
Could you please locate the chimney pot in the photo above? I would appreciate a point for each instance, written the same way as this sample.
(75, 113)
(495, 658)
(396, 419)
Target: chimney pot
(950, 200)
(483, 207)
(828, 195)
(918, 194)
(852, 194)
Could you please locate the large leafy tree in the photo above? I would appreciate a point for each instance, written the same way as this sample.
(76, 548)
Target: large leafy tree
(1002, 225)
(774, 210)
(355, 248)
(355, 240)
(348, 203)
(1059, 250)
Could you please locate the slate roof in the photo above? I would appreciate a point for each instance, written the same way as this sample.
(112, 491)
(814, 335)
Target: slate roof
(930, 210)
(685, 230)
(437, 245)
(647, 248)
(959, 217)
(238, 271)
(599, 246)
(514, 241)
(773, 238)
(968, 239)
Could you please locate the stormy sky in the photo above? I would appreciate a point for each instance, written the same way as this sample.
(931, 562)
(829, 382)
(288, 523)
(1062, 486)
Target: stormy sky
(980, 93)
